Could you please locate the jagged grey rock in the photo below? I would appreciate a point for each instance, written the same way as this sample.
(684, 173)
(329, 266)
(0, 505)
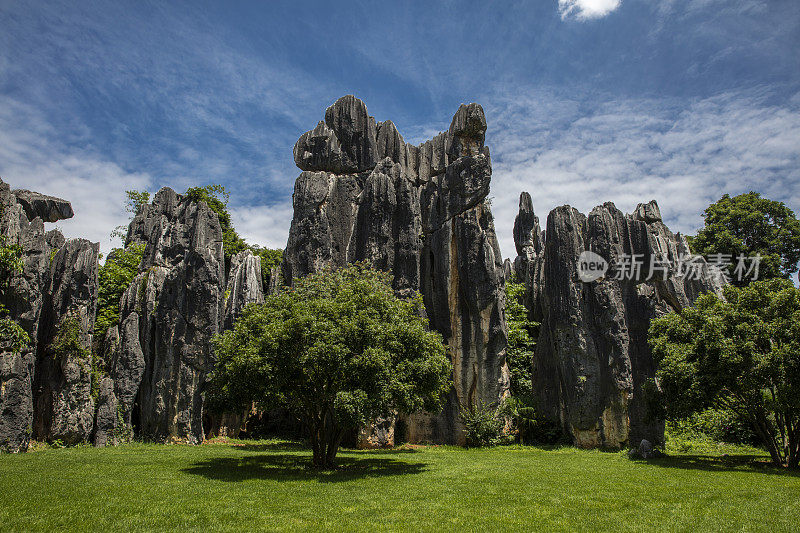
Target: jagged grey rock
(23, 299)
(26, 289)
(127, 370)
(117, 392)
(420, 212)
(41, 395)
(64, 408)
(244, 285)
(106, 423)
(48, 208)
(178, 297)
(592, 363)
(16, 399)
(529, 242)
(646, 449)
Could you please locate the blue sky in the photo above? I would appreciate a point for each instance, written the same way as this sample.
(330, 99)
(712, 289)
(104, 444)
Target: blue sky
(587, 100)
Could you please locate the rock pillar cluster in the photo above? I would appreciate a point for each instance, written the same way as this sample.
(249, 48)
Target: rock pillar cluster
(45, 388)
(592, 364)
(420, 212)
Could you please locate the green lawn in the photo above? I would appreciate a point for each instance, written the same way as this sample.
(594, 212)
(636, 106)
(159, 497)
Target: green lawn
(267, 485)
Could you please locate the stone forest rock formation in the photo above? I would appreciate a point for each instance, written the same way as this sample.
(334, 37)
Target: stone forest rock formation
(45, 395)
(592, 363)
(422, 213)
(182, 296)
(364, 194)
(178, 301)
(64, 407)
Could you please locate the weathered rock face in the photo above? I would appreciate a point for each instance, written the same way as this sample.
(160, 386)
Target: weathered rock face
(529, 242)
(421, 213)
(117, 395)
(48, 208)
(592, 362)
(64, 408)
(26, 300)
(177, 300)
(16, 398)
(106, 424)
(244, 285)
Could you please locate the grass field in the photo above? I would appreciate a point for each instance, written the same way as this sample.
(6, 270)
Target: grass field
(268, 485)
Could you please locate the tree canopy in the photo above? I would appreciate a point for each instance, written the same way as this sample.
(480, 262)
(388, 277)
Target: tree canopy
(749, 224)
(521, 342)
(741, 353)
(338, 348)
(113, 278)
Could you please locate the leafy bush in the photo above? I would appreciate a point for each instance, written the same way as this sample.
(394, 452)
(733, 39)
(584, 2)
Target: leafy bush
(522, 334)
(531, 426)
(10, 259)
(67, 341)
(114, 277)
(12, 336)
(720, 425)
(483, 426)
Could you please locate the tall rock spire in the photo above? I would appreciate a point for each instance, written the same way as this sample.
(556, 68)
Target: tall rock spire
(420, 212)
(592, 365)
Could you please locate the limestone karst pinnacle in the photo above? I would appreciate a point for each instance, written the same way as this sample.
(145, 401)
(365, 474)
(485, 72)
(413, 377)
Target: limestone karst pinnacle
(421, 213)
(592, 363)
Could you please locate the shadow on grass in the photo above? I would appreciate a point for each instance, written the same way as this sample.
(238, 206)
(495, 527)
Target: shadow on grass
(291, 467)
(296, 446)
(378, 451)
(715, 463)
(282, 446)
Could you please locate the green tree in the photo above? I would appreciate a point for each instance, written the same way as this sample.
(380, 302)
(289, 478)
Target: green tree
(338, 348)
(134, 200)
(216, 196)
(114, 277)
(270, 258)
(522, 333)
(749, 224)
(741, 353)
(12, 336)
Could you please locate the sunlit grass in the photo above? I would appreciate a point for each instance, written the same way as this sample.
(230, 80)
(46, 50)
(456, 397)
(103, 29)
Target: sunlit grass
(270, 485)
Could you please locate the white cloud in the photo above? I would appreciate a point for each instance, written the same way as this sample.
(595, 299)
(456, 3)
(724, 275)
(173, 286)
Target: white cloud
(31, 158)
(627, 151)
(265, 225)
(586, 9)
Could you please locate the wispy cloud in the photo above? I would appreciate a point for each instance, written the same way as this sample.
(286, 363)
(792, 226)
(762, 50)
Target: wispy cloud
(684, 155)
(586, 9)
(32, 157)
